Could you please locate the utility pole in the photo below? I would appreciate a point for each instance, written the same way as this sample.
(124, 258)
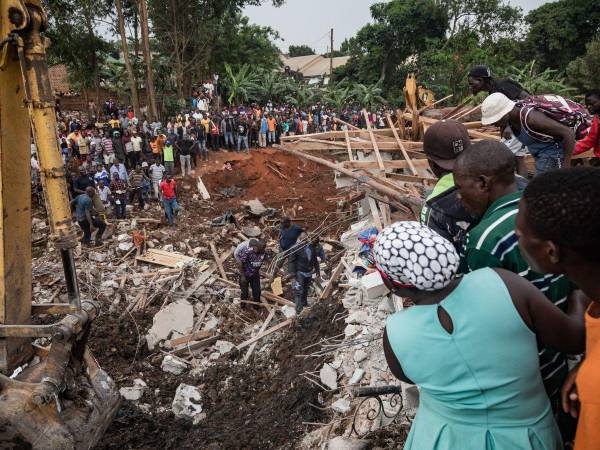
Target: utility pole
(331, 57)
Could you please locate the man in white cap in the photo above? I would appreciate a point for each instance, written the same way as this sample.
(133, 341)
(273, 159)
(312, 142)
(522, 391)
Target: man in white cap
(550, 142)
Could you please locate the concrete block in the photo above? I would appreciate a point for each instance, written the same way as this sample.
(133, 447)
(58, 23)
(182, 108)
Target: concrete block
(341, 406)
(372, 285)
(328, 376)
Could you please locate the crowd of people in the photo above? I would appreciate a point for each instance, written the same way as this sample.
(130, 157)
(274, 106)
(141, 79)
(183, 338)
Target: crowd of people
(503, 339)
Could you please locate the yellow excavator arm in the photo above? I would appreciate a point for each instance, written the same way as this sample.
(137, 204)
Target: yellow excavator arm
(33, 405)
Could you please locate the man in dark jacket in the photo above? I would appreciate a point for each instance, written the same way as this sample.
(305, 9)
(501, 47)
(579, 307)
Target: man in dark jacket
(443, 210)
(303, 263)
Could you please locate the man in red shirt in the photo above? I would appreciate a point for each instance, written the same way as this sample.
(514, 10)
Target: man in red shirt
(592, 140)
(168, 187)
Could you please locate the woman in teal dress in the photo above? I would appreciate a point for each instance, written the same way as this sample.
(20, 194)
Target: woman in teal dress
(470, 346)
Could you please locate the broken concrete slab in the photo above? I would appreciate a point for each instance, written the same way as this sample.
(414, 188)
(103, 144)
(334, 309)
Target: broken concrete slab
(360, 355)
(135, 392)
(97, 256)
(177, 316)
(125, 246)
(288, 311)
(341, 406)
(356, 376)
(345, 443)
(186, 402)
(224, 347)
(373, 286)
(360, 317)
(173, 364)
(256, 207)
(328, 376)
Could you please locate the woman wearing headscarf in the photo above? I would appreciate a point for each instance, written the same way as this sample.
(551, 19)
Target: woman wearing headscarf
(470, 345)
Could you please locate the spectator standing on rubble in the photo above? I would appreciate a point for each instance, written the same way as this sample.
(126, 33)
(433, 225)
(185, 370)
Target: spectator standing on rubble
(558, 234)
(136, 184)
(184, 149)
(84, 209)
(157, 172)
(592, 140)
(118, 187)
(443, 211)
(242, 246)
(169, 157)
(242, 134)
(168, 189)
(303, 264)
(136, 147)
(104, 193)
(119, 167)
(82, 181)
(484, 175)
(550, 142)
(250, 261)
(477, 391)
(288, 236)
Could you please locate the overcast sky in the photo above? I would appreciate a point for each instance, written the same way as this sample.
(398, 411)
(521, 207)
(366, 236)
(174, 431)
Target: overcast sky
(309, 21)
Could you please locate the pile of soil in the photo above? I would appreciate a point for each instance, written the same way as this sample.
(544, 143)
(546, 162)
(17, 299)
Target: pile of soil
(257, 405)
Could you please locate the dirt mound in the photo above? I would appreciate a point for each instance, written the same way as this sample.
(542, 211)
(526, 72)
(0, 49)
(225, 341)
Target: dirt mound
(261, 405)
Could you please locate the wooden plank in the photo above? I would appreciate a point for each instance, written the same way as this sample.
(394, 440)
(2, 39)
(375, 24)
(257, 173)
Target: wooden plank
(199, 282)
(163, 258)
(474, 134)
(373, 141)
(265, 333)
(266, 295)
(150, 274)
(262, 330)
(394, 164)
(190, 337)
(218, 260)
(276, 286)
(375, 213)
(202, 189)
(347, 138)
(53, 308)
(334, 277)
(187, 348)
(402, 149)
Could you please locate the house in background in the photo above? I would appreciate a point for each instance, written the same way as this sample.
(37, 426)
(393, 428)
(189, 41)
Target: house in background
(312, 68)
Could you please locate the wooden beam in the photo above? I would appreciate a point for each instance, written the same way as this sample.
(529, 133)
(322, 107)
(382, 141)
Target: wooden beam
(213, 249)
(375, 213)
(393, 164)
(190, 337)
(404, 153)
(334, 277)
(190, 348)
(262, 330)
(347, 138)
(271, 330)
(373, 141)
(53, 308)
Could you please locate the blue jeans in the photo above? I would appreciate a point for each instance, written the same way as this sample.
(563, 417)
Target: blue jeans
(244, 140)
(271, 137)
(171, 207)
(229, 139)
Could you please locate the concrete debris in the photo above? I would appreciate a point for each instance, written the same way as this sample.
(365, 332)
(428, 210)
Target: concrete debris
(341, 406)
(186, 403)
(351, 330)
(97, 257)
(356, 376)
(135, 392)
(345, 443)
(372, 285)
(328, 376)
(288, 311)
(359, 317)
(360, 356)
(251, 232)
(224, 347)
(123, 237)
(256, 207)
(176, 317)
(173, 364)
(125, 246)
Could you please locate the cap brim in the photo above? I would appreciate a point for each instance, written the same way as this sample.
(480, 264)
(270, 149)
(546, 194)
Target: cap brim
(447, 164)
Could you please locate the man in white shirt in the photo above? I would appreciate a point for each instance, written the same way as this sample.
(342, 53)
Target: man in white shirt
(136, 144)
(157, 171)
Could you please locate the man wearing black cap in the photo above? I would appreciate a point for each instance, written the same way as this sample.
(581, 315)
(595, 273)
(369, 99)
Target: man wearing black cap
(480, 79)
(443, 210)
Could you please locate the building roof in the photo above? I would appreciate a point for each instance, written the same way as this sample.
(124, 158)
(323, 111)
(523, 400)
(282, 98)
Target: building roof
(311, 66)
(59, 79)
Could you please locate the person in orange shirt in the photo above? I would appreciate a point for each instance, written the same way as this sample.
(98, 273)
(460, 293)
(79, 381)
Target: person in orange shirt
(272, 124)
(558, 228)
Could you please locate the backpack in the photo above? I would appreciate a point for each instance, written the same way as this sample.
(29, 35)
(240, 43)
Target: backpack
(563, 110)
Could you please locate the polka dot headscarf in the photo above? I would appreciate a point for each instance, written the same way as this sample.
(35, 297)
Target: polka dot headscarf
(413, 255)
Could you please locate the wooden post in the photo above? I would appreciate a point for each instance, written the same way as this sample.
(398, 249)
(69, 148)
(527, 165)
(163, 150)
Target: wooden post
(401, 145)
(350, 154)
(218, 261)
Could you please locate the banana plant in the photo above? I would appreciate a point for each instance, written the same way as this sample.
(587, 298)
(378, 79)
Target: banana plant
(241, 84)
(369, 95)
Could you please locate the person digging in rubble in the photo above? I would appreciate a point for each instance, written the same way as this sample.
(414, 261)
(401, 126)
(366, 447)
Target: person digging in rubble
(84, 214)
(303, 263)
(484, 175)
(242, 247)
(250, 261)
(558, 234)
(470, 344)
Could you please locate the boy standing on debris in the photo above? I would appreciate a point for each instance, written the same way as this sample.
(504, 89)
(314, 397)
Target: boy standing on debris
(250, 261)
(168, 188)
(157, 171)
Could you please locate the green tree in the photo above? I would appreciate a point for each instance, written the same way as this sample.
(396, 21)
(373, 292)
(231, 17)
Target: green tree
(369, 96)
(241, 84)
(300, 50)
(548, 81)
(338, 96)
(559, 31)
(583, 72)
(270, 85)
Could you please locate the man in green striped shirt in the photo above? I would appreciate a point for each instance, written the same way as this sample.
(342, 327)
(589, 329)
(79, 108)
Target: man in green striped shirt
(485, 178)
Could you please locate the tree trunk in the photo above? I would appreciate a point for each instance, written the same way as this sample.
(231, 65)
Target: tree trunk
(132, 84)
(150, 95)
